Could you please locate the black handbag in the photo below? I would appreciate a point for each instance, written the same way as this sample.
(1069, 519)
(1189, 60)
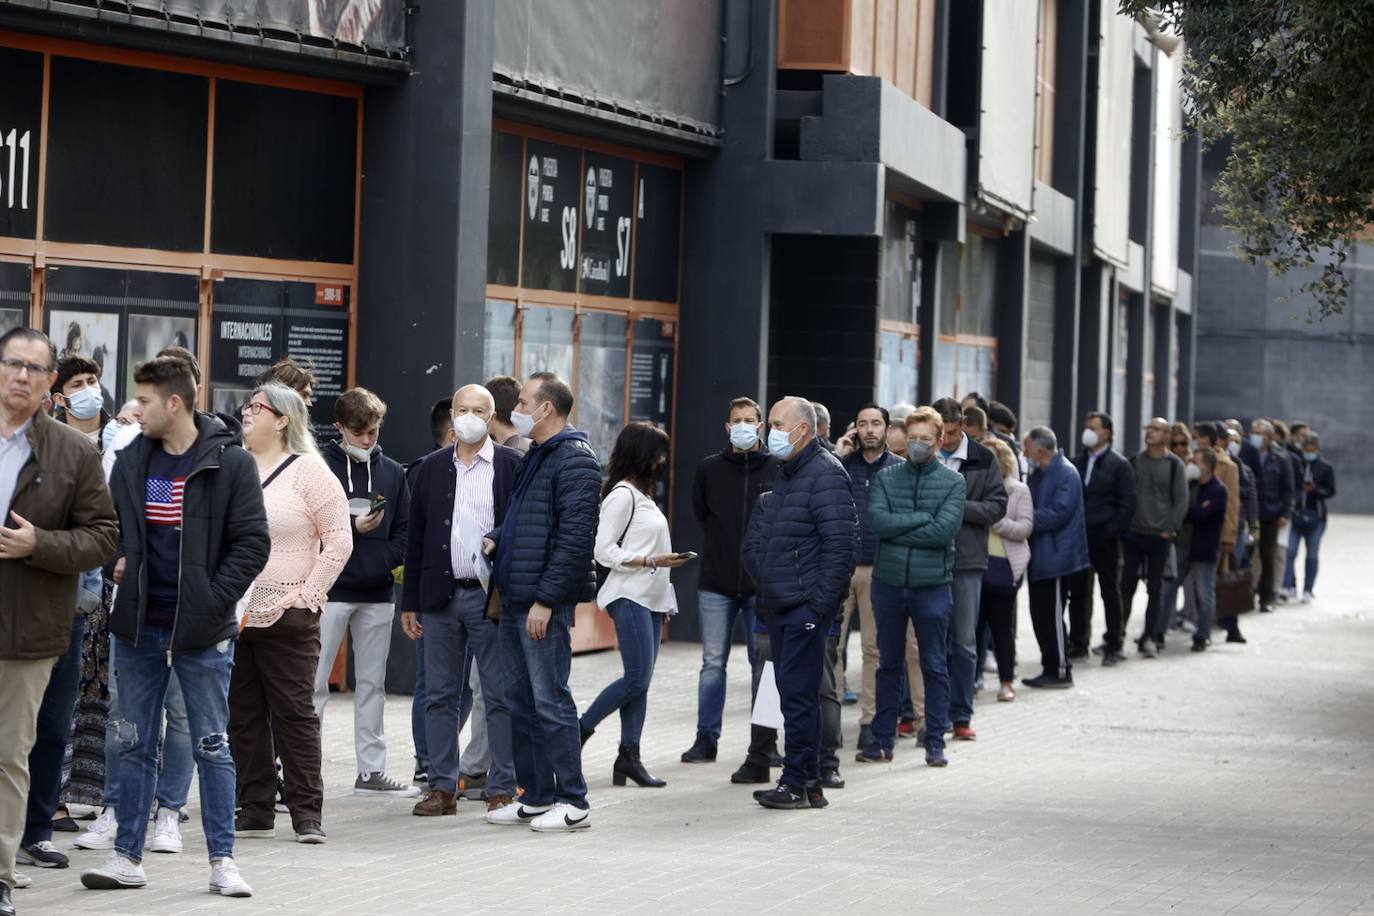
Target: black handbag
(604, 572)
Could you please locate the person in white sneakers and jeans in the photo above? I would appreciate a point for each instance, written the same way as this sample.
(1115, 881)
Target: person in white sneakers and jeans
(193, 537)
(363, 597)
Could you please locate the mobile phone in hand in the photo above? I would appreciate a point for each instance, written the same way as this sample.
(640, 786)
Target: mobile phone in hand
(687, 555)
(375, 502)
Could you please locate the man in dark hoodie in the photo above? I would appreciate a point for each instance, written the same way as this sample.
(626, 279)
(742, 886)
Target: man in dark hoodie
(361, 600)
(193, 538)
(543, 567)
(724, 491)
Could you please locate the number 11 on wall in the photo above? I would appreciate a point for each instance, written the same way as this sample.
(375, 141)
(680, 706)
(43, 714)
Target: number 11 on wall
(16, 143)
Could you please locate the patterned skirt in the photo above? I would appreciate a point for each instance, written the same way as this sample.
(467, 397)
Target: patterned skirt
(84, 771)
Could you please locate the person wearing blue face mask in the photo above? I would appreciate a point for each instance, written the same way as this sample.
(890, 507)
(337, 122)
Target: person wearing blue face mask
(1316, 485)
(801, 550)
(724, 489)
(77, 398)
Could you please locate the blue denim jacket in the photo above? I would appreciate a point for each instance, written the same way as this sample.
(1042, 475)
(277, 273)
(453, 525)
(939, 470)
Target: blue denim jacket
(90, 588)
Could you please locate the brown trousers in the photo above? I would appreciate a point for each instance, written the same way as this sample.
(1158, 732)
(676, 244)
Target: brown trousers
(22, 683)
(272, 696)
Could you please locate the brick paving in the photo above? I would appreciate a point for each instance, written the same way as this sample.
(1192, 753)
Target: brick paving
(1237, 782)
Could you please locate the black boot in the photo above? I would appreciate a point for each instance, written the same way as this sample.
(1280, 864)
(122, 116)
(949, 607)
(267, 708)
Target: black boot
(703, 750)
(586, 730)
(628, 766)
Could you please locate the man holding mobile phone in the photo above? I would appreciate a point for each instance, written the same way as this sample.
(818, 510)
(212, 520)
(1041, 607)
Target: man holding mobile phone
(362, 597)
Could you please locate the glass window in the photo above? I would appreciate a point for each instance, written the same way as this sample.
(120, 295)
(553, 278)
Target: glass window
(498, 339)
(1148, 401)
(14, 294)
(601, 379)
(897, 369)
(901, 265)
(553, 186)
(978, 303)
(949, 288)
(547, 341)
(1119, 382)
(504, 207)
(946, 368)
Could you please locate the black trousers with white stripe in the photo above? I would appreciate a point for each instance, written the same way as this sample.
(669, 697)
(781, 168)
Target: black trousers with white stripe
(1047, 599)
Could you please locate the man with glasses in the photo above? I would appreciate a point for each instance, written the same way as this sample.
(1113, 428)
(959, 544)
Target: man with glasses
(1161, 485)
(58, 522)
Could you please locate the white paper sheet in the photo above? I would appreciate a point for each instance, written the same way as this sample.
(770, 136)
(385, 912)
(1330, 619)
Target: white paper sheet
(768, 704)
(470, 534)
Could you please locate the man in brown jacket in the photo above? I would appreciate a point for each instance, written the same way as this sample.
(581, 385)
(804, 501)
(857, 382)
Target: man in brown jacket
(58, 521)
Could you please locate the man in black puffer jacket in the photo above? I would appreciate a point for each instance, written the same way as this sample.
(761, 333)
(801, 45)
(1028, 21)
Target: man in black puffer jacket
(801, 554)
(543, 553)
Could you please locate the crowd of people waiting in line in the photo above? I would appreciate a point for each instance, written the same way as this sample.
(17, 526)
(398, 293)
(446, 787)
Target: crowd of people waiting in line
(175, 585)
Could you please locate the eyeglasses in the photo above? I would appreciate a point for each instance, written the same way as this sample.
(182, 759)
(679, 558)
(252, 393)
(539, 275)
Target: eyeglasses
(1180, 443)
(16, 366)
(253, 408)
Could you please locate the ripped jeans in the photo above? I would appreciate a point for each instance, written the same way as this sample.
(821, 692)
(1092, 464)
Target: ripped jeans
(141, 673)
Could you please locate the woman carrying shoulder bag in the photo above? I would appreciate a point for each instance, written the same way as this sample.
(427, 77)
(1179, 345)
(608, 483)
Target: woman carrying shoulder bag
(633, 543)
(1008, 556)
(272, 690)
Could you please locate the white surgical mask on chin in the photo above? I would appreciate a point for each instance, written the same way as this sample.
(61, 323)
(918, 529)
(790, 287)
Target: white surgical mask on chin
(470, 428)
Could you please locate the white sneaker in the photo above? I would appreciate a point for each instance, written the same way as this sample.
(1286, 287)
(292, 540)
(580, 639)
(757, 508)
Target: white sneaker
(516, 814)
(83, 812)
(102, 832)
(1307, 597)
(118, 872)
(380, 784)
(226, 881)
(562, 817)
(167, 831)
(22, 880)
(1148, 648)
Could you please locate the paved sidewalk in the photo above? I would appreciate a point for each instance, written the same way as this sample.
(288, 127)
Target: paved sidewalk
(1240, 781)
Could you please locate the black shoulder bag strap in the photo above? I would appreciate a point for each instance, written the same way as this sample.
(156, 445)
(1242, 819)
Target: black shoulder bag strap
(281, 467)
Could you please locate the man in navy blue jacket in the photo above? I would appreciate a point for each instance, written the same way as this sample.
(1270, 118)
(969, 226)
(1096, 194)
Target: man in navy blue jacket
(461, 493)
(1059, 550)
(802, 554)
(543, 553)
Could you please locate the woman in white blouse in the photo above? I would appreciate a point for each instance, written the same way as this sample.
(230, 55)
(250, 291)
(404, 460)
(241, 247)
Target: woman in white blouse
(633, 542)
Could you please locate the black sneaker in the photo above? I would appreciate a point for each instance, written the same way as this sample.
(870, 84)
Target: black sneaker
(749, 773)
(1199, 645)
(1236, 637)
(42, 854)
(281, 806)
(1112, 657)
(421, 776)
(1048, 682)
(702, 751)
(831, 779)
(246, 828)
(935, 757)
(784, 797)
(1101, 649)
(815, 795)
(310, 833)
(1077, 652)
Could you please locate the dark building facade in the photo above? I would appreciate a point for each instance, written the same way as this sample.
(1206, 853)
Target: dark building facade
(670, 203)
(1261, 354)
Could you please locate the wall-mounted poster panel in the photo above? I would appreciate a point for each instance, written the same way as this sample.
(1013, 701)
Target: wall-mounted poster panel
(504, 208)
(553, 194)
(85, 306)
(1115, 98)
(15, 278)
(21, 111)
(257, 322)
(1006, 123)
(607, 202)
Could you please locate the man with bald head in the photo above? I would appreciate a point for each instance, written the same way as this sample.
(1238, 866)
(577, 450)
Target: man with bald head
(801, 548)
(459, 493)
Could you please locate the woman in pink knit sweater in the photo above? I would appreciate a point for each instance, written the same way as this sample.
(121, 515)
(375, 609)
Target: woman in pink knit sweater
(271, 694)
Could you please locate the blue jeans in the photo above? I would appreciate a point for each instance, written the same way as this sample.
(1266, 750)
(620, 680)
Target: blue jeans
(50, 745)
(638, 632)
(177, 763)
(543, 715)
(963, 644)
(1312, 537)
(1200, 587)
(142, 673)
(716, 615)
(930, 611)
(418, 702)
(450, 636)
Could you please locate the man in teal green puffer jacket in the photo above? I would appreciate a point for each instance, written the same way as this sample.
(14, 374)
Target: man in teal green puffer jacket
(915, 509)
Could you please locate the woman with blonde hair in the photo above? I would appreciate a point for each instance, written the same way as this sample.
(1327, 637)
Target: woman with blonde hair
(271, 694)
(1008, 556)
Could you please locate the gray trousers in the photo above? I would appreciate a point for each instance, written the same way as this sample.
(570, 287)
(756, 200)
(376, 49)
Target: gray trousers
(370, 628)
(476, 757)
(447, 636)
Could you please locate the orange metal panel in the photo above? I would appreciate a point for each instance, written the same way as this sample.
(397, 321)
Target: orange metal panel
(811, 35)
(885, 40)
(863, 16)
(907, 49)
(925, 53)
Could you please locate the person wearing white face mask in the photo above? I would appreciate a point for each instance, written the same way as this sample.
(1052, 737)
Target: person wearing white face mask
(1108, 505)
(460, 493)
(725, 488)
(77, 397)
(361, 599)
